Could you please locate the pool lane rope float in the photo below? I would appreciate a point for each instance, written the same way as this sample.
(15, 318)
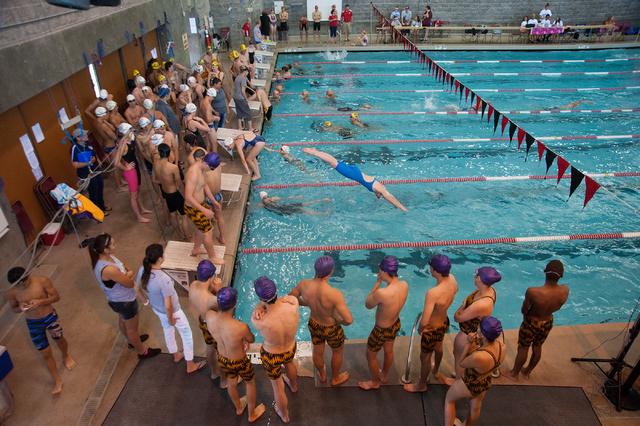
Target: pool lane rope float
(444, 180)
(564, 111)
(453, 74)
(471, 62)
(580, 89)
(473, 242)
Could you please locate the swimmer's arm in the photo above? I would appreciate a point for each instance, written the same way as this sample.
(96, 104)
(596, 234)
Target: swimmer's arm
(216, 205)
(247, 335)
(373, 299)
(342, 309)
(296, 293)
(479, 308)
(390, 198)
(89, 111)
(13, 302)
(258, 313)
(242, 159)
(469, 359)
(429, 304)
(106, 129)
(527, 304)
(270, 150)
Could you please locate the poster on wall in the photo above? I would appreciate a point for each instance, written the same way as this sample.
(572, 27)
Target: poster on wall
(185, 41)
(277, 6)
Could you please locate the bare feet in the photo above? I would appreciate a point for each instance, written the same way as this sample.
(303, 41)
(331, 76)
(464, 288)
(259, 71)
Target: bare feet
(215, 376)
(368, 385)
(255, 177)
(446, 380)
(343, 377)
(243, 402)
(288, 382)
(58, 387)
(285, 419)
(526, 373)
(382, 377)
(158, 201)
(195, 252)
(308, 150)
(415, 387)
(323, 374)
(143, 220)
(145, 211)
(507, 373)
(220, 240)
(259, 410)
(122, 190)
(178, 356)
(217, 261)
(69, 363)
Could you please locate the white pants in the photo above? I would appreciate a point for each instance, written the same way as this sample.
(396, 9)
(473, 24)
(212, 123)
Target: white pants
(182, 324)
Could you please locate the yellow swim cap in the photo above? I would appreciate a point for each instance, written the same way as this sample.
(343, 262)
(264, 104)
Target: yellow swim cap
(327, 123)
(163, 64)
(160, 77)
(136, 73)
(243, 47)
(155, 66)
(215, 64)
(201, 61)
(354, 115)
(235, 54)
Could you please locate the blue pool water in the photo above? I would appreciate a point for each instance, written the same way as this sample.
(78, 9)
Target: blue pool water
(602, 274)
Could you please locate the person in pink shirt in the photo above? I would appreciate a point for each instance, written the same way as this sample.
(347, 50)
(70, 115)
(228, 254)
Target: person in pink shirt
(333, 26)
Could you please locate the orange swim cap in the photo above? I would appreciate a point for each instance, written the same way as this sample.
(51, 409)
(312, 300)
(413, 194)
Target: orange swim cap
(329, 92)
(279, 88)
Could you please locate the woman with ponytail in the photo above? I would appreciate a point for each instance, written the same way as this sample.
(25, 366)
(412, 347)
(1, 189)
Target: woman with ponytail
(115, 279)
(156, 287)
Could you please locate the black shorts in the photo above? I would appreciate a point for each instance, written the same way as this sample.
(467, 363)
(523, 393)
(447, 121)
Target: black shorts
(284, 26)
(175, 201)
(304, 27)
(316, 26)
(126, 310)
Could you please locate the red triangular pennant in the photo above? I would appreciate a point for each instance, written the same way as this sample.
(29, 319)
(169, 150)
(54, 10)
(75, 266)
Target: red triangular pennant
(466, 95)
(478, 100)
(489, 113)
(563, 165)
(592, 187)
(541, 149)
(521, 135)
(457, 85)
(505, 120)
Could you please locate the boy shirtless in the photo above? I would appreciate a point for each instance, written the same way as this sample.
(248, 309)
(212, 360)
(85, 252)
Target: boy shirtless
(233, 339)
(539, 305)
(34, 296)
(435, 322)
(328, 312)
(134, 112)
(214, 182)
(389, 302)
(277, 320)
(167, 175)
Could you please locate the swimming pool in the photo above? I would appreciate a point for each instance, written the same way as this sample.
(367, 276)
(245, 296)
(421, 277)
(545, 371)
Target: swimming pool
(602, 274)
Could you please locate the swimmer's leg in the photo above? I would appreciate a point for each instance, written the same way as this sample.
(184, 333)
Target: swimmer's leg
(316, 201)
(327, 158)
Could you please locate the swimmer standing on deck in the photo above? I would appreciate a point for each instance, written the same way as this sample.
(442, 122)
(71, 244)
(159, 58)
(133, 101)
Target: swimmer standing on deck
(354, 173)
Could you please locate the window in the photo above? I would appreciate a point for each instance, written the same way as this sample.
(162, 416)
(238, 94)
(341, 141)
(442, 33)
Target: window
(94, 79)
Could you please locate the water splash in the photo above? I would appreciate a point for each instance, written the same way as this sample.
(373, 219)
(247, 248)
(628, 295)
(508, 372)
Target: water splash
(338, 55)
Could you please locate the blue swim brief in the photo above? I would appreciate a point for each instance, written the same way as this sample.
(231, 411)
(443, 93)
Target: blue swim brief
(354, 173)
(217, 197)
(38, 330)
(109, 150)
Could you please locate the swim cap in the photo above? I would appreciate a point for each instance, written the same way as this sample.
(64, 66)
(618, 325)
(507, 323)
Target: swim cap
(327, 123)
(212, 92)
(191, 108)
(131, 98)
(278, 74)
(205, 270)
(305, 93)
(263, 194)
(354, 114)
(164, 86)
(243, 47)
(276, 93)
(491, 328)
(329, 92)
(144, 121)
(124, 128)
(160, 78)
(155, 66)
(111, 105)
(212, 159)
(440, 263)
(140, 80)
(236, 55)
(157, 139)
(163, 92)
(324, 266)
(227, 297)
(136, 73)
(554, 270)
(146, 89)
(389, 265)
(191, 80)
(285, 149)
(368, 106)
(104, 94)
(279, 88)
(184, 87)
(100, 111)
(228, 142)
(148, 104)
(199, 68)
(488, 275)
(265, 289)
(158, 124)
(215, 64)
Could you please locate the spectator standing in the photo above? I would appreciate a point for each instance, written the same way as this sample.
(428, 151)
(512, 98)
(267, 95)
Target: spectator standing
(96, 184)
(317, 17)
(272, 25)
(426, 22)
(257, 34)
(546, 12)
(284, 26)
(347, 20)
(333, 26)
(265, 23)
(246, 30)
(219, 103)
(395, 13)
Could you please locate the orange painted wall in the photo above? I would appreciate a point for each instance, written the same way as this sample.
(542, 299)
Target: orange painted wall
(110, 77)
(133, 59)
(83, 93)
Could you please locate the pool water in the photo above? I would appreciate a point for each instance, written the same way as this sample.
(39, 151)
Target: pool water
(602, 274)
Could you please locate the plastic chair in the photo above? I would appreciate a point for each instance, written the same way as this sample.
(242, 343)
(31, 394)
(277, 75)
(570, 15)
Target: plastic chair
(469, 34)
(517, 36)
(26, 226)
(42, 188)
(497, 34)
(482, 33)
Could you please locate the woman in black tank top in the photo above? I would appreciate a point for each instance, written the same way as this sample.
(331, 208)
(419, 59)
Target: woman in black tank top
(199, 128)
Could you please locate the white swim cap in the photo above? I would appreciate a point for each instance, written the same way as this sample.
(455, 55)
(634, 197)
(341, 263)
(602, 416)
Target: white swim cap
(100, 111)
(104, 94)
(164, 86)
(263, 195)
(158, 124)
(285, 149)
(148, 104)
(131, 98)
(144, 121)
(184, 87)
(228, 142)
(212, 92)
(191, 80)
(124, 128)
(199, 68)
(190, 108)
(146, 89)
(111, 105)
(140, 80)
(157, 139)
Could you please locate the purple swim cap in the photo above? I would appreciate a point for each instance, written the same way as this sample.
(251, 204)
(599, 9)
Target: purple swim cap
(440, 263)
(265, 289)
(227, 297)
(389, 265)
(324, 266)
(488, 275)
(206, 270)
(491, 328)
(212, 159)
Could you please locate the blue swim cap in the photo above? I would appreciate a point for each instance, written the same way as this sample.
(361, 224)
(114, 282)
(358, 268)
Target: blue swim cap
(265, 289)
(163, 92)
(206, 270)
(491, 328)
(488, 275)
(324, 266)
(440, 263)
(212, 159)
(389, 265)
(227, 297)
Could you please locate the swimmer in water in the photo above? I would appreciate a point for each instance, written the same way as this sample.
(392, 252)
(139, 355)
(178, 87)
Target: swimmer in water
(329, 95)
(557, 108)
(305, 96)
(354, 173)
(349, 109)
(271, 204)
(285, 152)
(342, 131)
(357, 122)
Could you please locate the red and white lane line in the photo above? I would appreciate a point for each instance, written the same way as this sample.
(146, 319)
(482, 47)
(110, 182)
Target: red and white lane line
(444, 180)
(470, 242)
(457, 140)
(471, 62)
(552, 74)
(582, 89)
(456, 112)
(361, 75)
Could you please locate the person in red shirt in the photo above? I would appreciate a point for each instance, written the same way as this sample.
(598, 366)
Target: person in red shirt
(333, 26)
(347, 20)
(246, 31)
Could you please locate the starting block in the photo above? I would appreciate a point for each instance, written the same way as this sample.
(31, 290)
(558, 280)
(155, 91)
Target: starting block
(231, 182)
(264, 57)
(181, 266)
(262, 70)
(259, 83)
(268, 46)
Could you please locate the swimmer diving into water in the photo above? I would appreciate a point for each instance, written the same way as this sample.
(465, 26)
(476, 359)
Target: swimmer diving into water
(354, 173)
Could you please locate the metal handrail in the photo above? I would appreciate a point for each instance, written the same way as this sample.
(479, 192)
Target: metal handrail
(406, 378)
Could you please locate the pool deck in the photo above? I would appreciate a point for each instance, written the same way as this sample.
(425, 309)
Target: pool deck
(104, 364)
